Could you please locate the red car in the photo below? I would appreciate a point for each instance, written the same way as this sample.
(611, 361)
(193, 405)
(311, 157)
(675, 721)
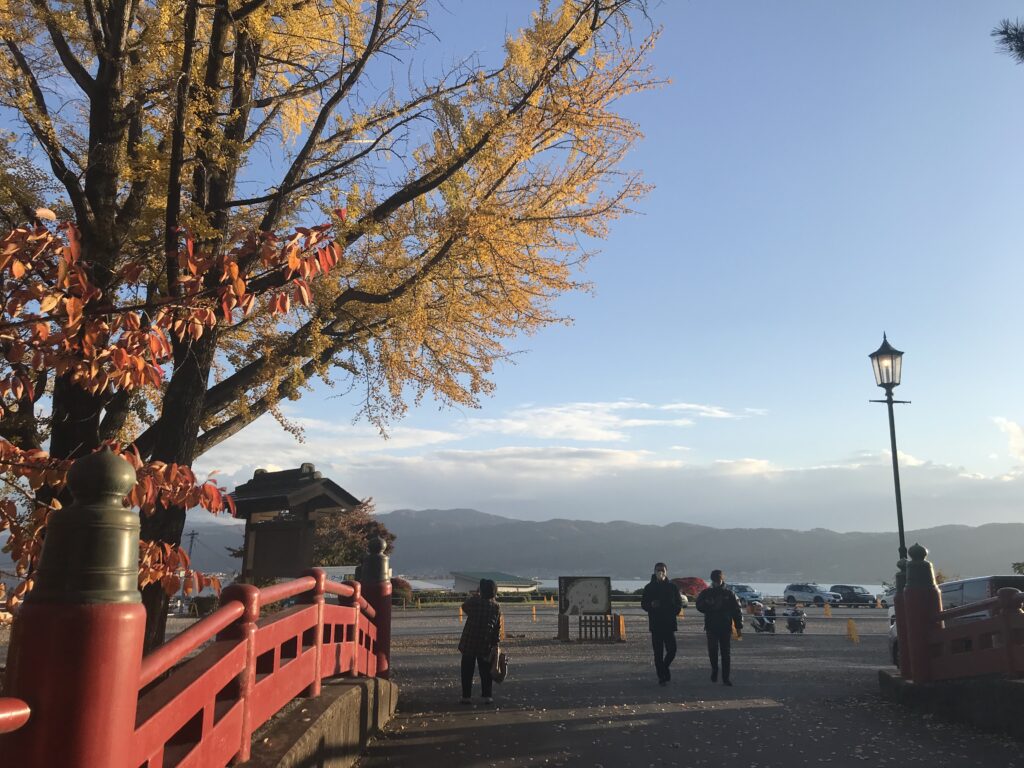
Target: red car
(691, 586)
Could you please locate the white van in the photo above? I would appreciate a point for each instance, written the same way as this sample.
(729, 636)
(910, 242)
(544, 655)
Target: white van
(964, 591)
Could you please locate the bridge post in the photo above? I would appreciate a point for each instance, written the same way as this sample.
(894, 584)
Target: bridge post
(375, 577)
(316, 597)
(902, 641)
(76, 645)
(357, 592)
(244, 630)
(922, 603)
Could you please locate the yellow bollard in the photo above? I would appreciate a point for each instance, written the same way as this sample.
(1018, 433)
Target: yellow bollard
(851, 631)
(460, 614)
(534, 614)
(828, 611)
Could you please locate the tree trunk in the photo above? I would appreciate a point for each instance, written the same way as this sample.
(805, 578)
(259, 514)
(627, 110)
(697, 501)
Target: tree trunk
(164, 525)
(76, 420)
(175, 442)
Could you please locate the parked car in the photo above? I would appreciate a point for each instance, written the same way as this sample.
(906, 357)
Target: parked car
(964, 591)
(888, 598)
(853, 595)
(746, 594)
(809, 593)
(894, 645)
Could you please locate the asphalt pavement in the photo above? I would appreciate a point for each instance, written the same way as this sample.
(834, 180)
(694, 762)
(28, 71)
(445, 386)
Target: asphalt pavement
(797, 700)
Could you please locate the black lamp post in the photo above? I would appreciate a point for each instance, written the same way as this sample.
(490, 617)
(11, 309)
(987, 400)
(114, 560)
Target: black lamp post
(887, 362)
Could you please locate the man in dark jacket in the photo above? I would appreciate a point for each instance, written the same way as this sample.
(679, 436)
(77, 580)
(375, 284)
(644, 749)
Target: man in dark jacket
(721, 610)
(662, 602)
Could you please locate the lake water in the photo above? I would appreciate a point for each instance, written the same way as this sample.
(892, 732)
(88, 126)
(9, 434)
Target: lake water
(769, 589)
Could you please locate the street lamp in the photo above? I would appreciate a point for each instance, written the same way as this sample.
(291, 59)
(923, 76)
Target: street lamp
(887, 362)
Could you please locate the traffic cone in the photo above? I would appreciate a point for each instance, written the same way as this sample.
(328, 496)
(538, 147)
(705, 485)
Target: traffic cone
(878, 602)
(735, 633)
(851, 631)
(460, 614)
(828, 611)
(534, 614)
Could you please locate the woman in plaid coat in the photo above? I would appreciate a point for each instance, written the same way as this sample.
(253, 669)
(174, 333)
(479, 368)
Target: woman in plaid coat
(479, 639)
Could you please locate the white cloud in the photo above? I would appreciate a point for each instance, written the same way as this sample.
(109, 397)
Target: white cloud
(264, 444)
(712, 411)
(598, 421)
(459, 467)
(744, 466)
(1015, 433)
(581, 422)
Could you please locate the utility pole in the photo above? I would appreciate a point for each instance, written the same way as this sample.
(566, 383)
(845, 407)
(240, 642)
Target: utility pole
(191, 540)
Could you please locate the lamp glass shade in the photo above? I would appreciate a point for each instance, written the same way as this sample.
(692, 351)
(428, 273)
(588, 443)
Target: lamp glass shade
(887, 363)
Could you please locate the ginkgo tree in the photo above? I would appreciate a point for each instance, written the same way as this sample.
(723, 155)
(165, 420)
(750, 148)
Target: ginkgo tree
(403, 230)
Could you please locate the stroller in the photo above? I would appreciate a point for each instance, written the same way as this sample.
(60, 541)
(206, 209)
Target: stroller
(795, 621)
(763, 619)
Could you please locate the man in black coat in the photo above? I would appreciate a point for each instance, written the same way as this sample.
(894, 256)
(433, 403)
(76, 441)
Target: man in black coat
(662, 602)
(721, 610)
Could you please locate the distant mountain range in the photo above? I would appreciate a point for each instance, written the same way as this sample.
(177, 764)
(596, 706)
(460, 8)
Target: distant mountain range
(434, 542)
(431, 543)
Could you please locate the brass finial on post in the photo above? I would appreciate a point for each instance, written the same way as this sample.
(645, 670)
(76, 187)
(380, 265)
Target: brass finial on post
(919, 571)
(91, 552)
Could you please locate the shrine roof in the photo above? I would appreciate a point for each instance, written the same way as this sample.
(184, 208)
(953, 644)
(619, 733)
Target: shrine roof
(290, 489)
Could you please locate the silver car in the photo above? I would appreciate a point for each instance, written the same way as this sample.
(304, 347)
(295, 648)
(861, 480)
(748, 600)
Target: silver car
(810, 593)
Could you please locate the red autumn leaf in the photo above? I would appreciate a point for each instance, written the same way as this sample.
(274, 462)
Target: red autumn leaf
(73, 307)
(302, 294)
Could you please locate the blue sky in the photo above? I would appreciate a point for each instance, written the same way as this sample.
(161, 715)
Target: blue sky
(823, 172)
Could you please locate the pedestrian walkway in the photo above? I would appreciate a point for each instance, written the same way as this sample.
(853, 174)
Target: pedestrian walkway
(800, 700)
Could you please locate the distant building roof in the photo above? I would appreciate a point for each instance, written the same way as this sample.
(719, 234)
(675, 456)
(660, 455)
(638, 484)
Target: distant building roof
(290, 489)
(418, 585)
(499, 578)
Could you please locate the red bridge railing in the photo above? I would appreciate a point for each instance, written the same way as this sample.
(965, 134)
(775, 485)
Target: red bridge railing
(83, 696)
(982, 638)
(207, 708)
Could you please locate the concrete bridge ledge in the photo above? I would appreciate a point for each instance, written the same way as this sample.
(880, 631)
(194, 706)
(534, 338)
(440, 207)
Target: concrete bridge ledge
(991, 703)
(330, 730)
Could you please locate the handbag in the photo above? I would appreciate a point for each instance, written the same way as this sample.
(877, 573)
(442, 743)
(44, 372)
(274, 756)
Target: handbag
(499, 666)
